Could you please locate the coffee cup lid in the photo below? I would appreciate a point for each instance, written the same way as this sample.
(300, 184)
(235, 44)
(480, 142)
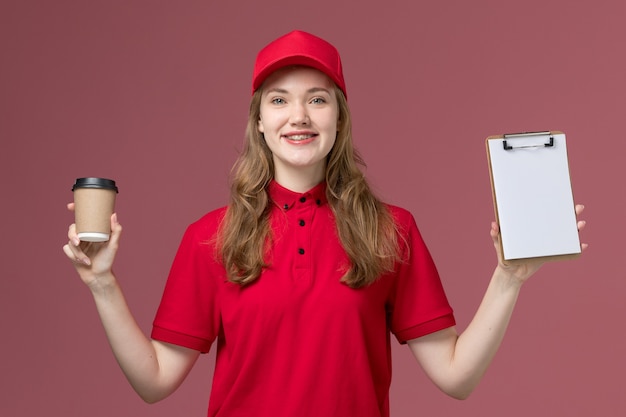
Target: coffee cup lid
(93, 182)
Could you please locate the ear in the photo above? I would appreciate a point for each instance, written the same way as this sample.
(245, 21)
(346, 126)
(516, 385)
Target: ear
(259, 125)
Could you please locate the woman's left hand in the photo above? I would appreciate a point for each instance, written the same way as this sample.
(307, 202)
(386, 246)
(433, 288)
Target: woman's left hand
(523, 271)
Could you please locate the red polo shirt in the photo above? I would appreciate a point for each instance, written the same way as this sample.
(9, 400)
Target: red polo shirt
(298, 342)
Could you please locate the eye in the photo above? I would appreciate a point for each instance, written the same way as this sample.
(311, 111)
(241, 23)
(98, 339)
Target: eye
(278, 100)
(318, 100)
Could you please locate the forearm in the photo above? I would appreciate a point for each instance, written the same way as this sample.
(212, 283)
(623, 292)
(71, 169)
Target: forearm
(136, 354)
(154, 369)
(478, 344)
(456, 363)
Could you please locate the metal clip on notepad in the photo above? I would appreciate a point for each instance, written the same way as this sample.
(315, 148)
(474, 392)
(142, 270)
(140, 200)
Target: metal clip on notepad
(508, 147)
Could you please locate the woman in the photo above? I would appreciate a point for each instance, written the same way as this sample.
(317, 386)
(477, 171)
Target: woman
(304, 276)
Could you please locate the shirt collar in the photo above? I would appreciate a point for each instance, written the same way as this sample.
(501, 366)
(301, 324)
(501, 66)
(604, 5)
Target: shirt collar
(285, 198)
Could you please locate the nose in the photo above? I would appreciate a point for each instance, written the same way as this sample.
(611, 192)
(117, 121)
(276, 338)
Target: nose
(299, 115)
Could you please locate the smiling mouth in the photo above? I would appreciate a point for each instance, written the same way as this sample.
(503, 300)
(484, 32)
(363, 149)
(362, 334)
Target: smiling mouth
(299, 137)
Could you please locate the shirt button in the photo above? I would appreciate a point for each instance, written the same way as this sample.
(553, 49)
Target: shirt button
(301, 223)
(286, 206)
(301, 251)
(318, 202)
(302, 199)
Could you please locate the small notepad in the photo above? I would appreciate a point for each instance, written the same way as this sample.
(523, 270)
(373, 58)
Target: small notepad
(532, 195)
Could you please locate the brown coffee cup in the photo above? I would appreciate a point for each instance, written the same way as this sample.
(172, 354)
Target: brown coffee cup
(94, 202)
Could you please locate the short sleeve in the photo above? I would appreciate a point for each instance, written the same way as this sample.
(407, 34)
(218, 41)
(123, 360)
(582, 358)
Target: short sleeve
(188, 314)
(418, 304)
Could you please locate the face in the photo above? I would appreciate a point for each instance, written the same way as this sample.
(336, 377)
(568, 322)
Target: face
(299, 118)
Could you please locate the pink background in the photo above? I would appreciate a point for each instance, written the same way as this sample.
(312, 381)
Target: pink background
(154, 94)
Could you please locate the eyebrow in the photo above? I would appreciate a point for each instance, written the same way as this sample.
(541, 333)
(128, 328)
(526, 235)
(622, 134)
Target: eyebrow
(310, 90)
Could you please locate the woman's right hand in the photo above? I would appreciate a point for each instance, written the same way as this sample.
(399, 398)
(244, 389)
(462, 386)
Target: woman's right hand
(93, 260)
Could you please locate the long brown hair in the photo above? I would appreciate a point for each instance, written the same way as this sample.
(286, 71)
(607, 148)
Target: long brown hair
(365, 227)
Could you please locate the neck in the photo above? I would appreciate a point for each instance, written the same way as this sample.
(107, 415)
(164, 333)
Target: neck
(299, 180)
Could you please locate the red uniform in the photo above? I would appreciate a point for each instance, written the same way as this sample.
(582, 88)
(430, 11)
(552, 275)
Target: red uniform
(298, 342)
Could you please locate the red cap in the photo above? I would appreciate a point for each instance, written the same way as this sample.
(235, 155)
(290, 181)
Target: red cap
(298, 48)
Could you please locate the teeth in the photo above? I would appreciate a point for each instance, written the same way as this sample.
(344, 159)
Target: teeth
(299, 137)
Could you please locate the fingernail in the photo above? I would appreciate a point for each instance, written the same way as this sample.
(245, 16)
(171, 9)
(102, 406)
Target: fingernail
(76, 241)
(86, 261)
